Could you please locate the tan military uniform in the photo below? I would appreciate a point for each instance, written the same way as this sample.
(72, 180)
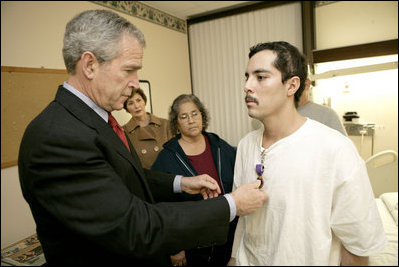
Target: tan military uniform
(148, 140)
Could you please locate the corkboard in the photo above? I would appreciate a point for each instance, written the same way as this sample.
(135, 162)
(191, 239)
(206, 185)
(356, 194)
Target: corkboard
(25, 92)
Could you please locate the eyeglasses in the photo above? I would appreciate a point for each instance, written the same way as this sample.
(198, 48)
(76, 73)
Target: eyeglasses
(194, 115)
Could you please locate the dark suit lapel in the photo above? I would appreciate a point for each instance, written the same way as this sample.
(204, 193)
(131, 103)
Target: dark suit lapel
(88, 116)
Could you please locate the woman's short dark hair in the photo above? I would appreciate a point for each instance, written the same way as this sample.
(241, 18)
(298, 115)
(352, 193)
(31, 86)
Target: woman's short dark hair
(135, 91)
(289, 61)
(175, 108)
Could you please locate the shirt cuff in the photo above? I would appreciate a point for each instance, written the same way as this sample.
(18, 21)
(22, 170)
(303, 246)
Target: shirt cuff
(229, 198)
(177, 184)
(232, 204)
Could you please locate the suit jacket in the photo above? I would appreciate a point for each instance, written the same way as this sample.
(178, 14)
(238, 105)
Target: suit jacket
(92, 201)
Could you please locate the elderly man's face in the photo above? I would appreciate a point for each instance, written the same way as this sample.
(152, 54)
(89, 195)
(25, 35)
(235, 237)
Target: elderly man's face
(115, 80)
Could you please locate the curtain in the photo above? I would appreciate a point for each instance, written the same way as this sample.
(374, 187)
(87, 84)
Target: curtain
(218, 57)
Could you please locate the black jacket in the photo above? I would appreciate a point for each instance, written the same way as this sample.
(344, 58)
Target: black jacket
(172, 159)
(94, 204)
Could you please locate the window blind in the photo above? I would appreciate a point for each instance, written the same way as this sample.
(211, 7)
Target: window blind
(219, 54)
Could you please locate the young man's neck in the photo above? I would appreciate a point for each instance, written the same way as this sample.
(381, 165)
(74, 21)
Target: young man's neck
(281, 126)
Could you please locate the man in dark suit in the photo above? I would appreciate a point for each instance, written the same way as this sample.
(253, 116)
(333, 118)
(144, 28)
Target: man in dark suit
(92, 202)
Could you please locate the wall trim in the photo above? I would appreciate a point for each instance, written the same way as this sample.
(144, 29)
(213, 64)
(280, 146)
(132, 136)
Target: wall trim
(236, 10)
(32, 70)
(142, 11)
(383, 48)
(308, 31)
(323, 3)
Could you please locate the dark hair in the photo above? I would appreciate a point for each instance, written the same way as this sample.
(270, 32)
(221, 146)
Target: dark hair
(174, 111)
(135, 91)
(289, 61)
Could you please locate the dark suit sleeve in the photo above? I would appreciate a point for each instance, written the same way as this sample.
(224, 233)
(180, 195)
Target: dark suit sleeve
(161, 185)
(72, 176)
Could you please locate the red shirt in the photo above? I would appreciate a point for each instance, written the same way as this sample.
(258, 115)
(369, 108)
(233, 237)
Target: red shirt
(204, 163)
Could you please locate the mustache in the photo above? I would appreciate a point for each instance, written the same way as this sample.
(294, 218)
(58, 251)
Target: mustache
(251, 98)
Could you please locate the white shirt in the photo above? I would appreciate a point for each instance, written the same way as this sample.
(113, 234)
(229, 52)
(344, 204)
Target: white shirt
(319, 196)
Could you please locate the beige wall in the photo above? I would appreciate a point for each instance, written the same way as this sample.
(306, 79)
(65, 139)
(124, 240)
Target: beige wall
(16, 218)
(31, 36)
(345, 23)
(32, 33)
(374, 95)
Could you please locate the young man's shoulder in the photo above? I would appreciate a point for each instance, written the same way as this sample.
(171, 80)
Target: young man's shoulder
(251, 137)
(325, 133)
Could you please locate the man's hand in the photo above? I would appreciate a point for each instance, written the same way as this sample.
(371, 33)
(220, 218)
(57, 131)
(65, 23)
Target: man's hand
(179, 259)
(203, 184)
(249, 197)
(232, 262)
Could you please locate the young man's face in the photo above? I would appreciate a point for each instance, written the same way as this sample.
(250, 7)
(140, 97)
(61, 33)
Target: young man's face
(265, 92)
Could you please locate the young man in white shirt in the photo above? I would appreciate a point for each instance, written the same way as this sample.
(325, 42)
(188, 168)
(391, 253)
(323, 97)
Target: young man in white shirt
(321, 209)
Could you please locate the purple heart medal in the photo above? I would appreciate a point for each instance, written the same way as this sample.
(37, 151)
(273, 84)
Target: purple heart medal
(260, 168)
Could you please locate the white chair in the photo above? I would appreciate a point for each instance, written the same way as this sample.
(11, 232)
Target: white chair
(383, 172)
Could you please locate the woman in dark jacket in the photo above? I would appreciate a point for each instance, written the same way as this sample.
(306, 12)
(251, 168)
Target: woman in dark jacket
(191, 152)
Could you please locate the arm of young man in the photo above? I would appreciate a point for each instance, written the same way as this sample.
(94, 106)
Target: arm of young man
(349, 259)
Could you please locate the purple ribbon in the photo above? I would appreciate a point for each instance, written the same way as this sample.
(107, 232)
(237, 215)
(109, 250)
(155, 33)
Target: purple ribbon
(259, 169)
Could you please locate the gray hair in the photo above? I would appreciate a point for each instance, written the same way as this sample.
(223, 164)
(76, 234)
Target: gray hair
(97, 31)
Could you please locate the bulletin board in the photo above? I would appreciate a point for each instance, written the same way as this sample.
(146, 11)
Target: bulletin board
(25, 92)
